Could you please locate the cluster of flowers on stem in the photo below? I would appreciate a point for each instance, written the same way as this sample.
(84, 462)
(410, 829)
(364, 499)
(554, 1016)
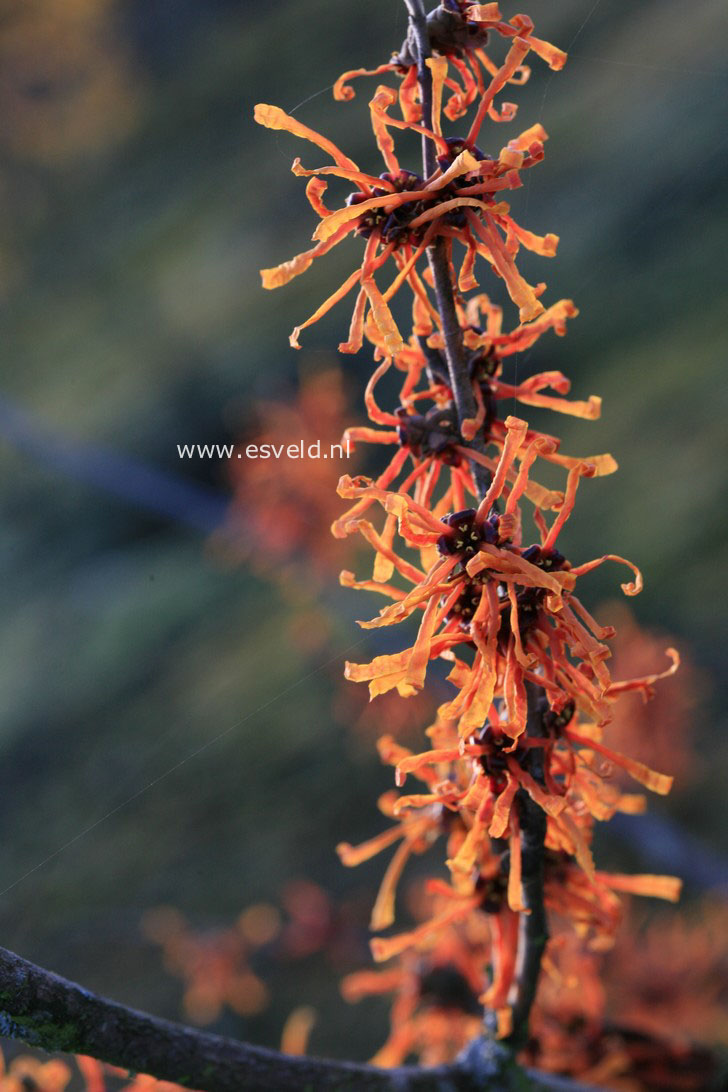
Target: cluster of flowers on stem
(526, 659)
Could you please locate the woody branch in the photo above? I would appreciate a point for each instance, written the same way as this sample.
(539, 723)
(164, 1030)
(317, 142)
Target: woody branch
(44, 1010)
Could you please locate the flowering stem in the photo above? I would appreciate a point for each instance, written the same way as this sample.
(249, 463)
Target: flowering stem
(533, 930)
(437, 255)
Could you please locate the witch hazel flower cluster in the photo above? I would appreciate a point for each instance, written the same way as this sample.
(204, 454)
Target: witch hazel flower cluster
(527, 663)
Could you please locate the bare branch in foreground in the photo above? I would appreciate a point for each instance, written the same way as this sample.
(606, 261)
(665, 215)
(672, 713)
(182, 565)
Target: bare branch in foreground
(44, 1010)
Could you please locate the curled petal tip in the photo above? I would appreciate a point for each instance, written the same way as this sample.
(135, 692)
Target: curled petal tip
(531, 311)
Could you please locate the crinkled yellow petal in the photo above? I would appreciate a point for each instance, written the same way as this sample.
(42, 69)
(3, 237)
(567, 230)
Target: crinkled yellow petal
(656, 782)
(349, 213)
(483, 13)
(545, 245)
(272, 117)
(588, 411)
(522, 293)
(384, 948)
(462, 164)
(646, 682)
(355, 339)
(281, 274)
(383, 318)
(528, 136)
(658, 887)
(632, 588)
(438, 211)
(344, 93)
(580, 848)
(555, 58)
(383, 99)
(351, 856)
(552, 805)
(315, 190)
(515, 55)
(325, 307)
(438, 67)
(340, 172)
(383, 909)
(632, 803)
(417, 666)
(502, 809)
(383, 674)
(348, 580)
(504, 1016)
(515, 887)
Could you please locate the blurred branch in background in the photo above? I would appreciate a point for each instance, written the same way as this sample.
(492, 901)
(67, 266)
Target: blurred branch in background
(130, 480)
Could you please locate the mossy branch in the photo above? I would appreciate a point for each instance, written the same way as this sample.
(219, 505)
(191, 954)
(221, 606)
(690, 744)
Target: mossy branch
(44, 1010)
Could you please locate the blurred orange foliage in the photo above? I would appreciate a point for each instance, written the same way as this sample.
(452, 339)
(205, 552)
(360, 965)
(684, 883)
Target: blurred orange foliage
(28, 1073)
(661, 733)
(283, 507)
(215, 966)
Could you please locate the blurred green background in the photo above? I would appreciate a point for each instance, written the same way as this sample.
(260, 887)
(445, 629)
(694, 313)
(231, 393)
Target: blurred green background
(138, 202)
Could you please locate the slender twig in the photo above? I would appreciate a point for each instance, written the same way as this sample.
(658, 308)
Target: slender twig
(43, 1010)
(460, 382)
(533, 926)
(421, 41)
